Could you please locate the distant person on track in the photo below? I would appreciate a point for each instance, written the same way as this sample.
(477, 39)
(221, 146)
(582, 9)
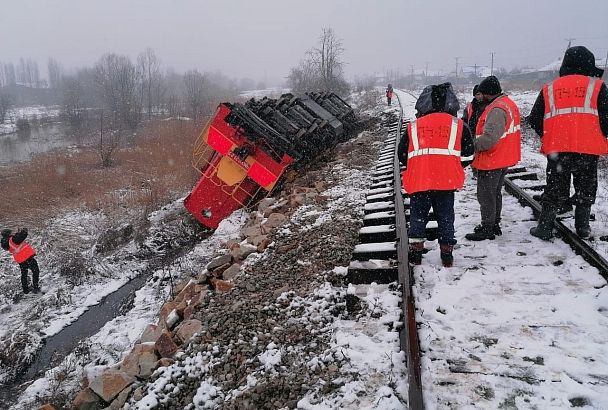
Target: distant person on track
(389, 94)
(23, 254)
(497, 147)
(571, 116)
(434, 149)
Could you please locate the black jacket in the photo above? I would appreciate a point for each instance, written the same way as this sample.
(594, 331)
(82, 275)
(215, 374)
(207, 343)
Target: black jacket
(467, 147)
(478, 108)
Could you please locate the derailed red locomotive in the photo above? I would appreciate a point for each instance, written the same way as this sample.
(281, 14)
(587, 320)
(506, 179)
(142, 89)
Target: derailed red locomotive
(245, 150)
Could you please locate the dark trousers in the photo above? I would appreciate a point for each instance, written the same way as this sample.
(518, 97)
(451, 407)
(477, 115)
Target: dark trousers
(442, 203)
(33, 266)
(489, 195)
(583, 170)
(388, 100)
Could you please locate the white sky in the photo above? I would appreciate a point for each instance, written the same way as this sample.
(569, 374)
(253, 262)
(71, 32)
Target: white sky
(264, 38)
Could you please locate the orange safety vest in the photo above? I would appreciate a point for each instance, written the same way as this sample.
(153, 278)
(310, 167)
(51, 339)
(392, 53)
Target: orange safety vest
(21, 252)
(433, 157)
(507, 152)
(571, 122)
(389, 93)
(469, 111)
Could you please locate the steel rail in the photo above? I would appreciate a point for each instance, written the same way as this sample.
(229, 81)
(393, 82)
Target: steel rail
(408, 335)
(571, 238)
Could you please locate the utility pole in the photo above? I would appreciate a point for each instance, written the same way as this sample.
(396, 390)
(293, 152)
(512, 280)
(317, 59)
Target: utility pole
(426, 70)
(492, 66)
(412, 77)
(475, 67)
(456, 58)
(569, 40)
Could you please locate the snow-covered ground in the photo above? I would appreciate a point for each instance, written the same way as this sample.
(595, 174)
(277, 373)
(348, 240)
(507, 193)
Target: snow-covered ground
(516, 323)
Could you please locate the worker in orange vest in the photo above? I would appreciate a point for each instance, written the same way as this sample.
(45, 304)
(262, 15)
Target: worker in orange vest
(389, 94)
(497, 147)
(571, 116)
(434, 149)
(23, 254)
(474, 109)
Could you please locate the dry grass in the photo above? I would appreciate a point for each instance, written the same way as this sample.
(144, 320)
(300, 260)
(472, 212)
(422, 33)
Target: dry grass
(154, 169)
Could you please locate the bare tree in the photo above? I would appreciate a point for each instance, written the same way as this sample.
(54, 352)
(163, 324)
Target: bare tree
(109, 138)
(195, 84)
(55, 72)
(118, 81)
(72, 90)
(322, 69)
(9, 74)
(6, 102)
(151, 78)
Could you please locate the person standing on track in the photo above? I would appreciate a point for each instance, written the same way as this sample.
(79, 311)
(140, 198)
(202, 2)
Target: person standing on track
(497, 147)
(23, 254)
(389, 94)
(571, 116)
(434, 149)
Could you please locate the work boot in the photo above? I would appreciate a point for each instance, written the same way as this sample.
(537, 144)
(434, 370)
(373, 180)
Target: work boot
(544, 230)
(485, 232)
(495, 228)
(415, 253)
(581, 221)
(446, 254)
(36, 289)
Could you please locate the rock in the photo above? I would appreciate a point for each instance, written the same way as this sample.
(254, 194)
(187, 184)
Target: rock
(231, 272)
(217, 272)
(242, 251)
(257, 240)
(187, 292)
(222, 285)
(265, 204)
(138, 394)
(172, 319)
(187, 329)
(263, 245)
(251, 231)
(165, 311)
(219, 261)
(203, 277)
(188, 312)
(165, 346)
(120, 400)
(150, 334)
(295, 200)
(164, 362)
(274, 220)
(140, 361)
(280, 291)
(320, 186)
(110, 383)
(47, 407)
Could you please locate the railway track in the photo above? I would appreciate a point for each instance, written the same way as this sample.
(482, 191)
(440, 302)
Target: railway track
(382, 254)
(522, 184)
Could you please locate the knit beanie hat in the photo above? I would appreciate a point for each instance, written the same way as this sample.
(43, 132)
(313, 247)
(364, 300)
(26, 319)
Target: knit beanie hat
(490, 86)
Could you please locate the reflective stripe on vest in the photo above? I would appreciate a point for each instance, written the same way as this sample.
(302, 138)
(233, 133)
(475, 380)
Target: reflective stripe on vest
(571, 118)
(507, 151)
(434, 151)
(21, 252)
(434, 162)
(585, 109)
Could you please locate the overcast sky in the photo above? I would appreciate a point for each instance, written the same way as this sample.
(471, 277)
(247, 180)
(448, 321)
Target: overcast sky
(264, 38)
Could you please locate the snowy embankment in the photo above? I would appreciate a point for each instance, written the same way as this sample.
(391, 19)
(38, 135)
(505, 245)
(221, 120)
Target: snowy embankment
(517, 322)
(299, 344)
